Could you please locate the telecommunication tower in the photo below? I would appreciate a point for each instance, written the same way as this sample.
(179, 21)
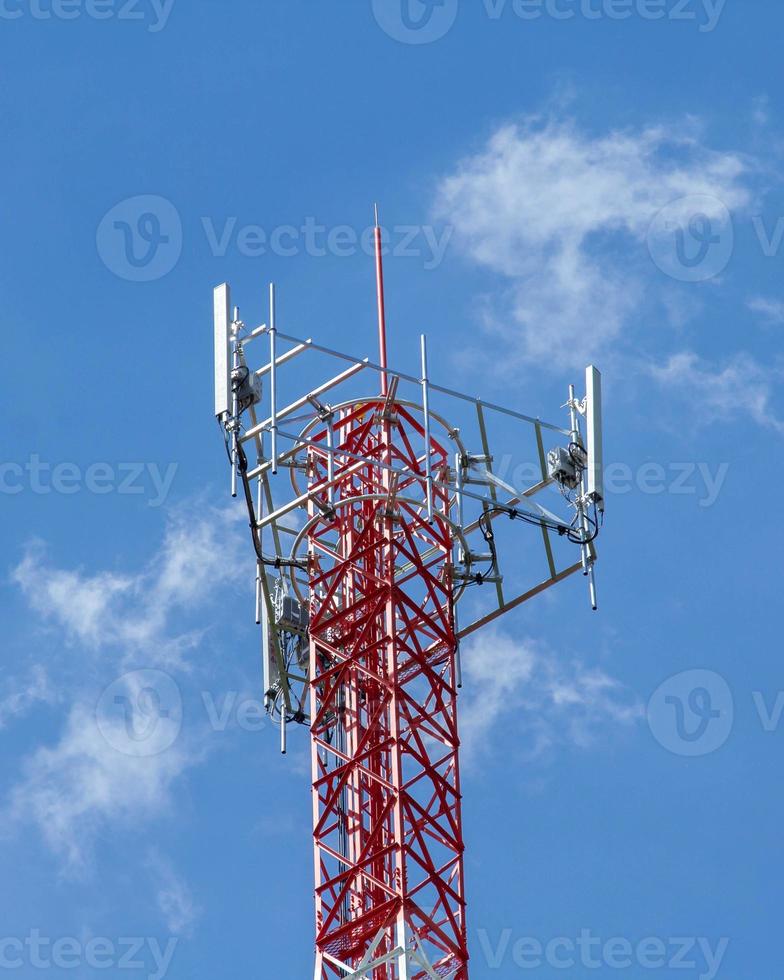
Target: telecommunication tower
(374, 519)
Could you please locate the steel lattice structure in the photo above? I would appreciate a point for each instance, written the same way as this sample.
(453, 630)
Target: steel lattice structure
(359, 615)
(387, 820)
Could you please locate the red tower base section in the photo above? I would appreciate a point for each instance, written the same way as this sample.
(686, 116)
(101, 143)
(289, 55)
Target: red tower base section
(386, 784)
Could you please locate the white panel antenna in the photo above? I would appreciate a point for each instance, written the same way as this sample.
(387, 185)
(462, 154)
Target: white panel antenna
(223, 392)
(593, 418)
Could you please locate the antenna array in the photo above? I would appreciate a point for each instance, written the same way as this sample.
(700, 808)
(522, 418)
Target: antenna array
(387, 527)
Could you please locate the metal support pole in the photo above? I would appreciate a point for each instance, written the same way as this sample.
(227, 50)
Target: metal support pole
(575, 437)
(331, 458)
(235, 406)
(585, 554)
(459, 499)
(273, 334)
(592, 586)
(458, 655)
(426, 407)
(266, 651)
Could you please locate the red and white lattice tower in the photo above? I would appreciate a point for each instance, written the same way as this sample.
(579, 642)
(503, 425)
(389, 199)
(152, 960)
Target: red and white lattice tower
(386, 779)
(361, 631)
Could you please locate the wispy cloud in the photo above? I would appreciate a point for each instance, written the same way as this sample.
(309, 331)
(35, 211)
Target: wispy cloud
(741, 388)
(23, 694)
(101, 774)
(131, 612)
(771, 310)
(530, 692)
(760, 111)
(73, 791)
(173, 896)
(562, 217)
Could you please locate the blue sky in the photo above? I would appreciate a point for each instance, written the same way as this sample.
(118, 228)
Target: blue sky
(560, 182)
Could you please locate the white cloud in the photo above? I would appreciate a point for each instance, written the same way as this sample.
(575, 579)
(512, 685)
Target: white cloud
(742, 387)
(119, 754)
(24, 694)
(760, 112)
(73, 791)
(544, 701)
(173, 896)
(132, 612)
(563, 216)
(771, 310)
(81, 604)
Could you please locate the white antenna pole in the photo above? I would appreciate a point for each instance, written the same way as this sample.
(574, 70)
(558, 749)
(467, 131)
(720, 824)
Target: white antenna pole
(273, 332)
(459, 499)
(266, 653)
(458, 656)
(235, 408)
(331, 458)
(582, 504)
(576, 438)
(426, 407)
